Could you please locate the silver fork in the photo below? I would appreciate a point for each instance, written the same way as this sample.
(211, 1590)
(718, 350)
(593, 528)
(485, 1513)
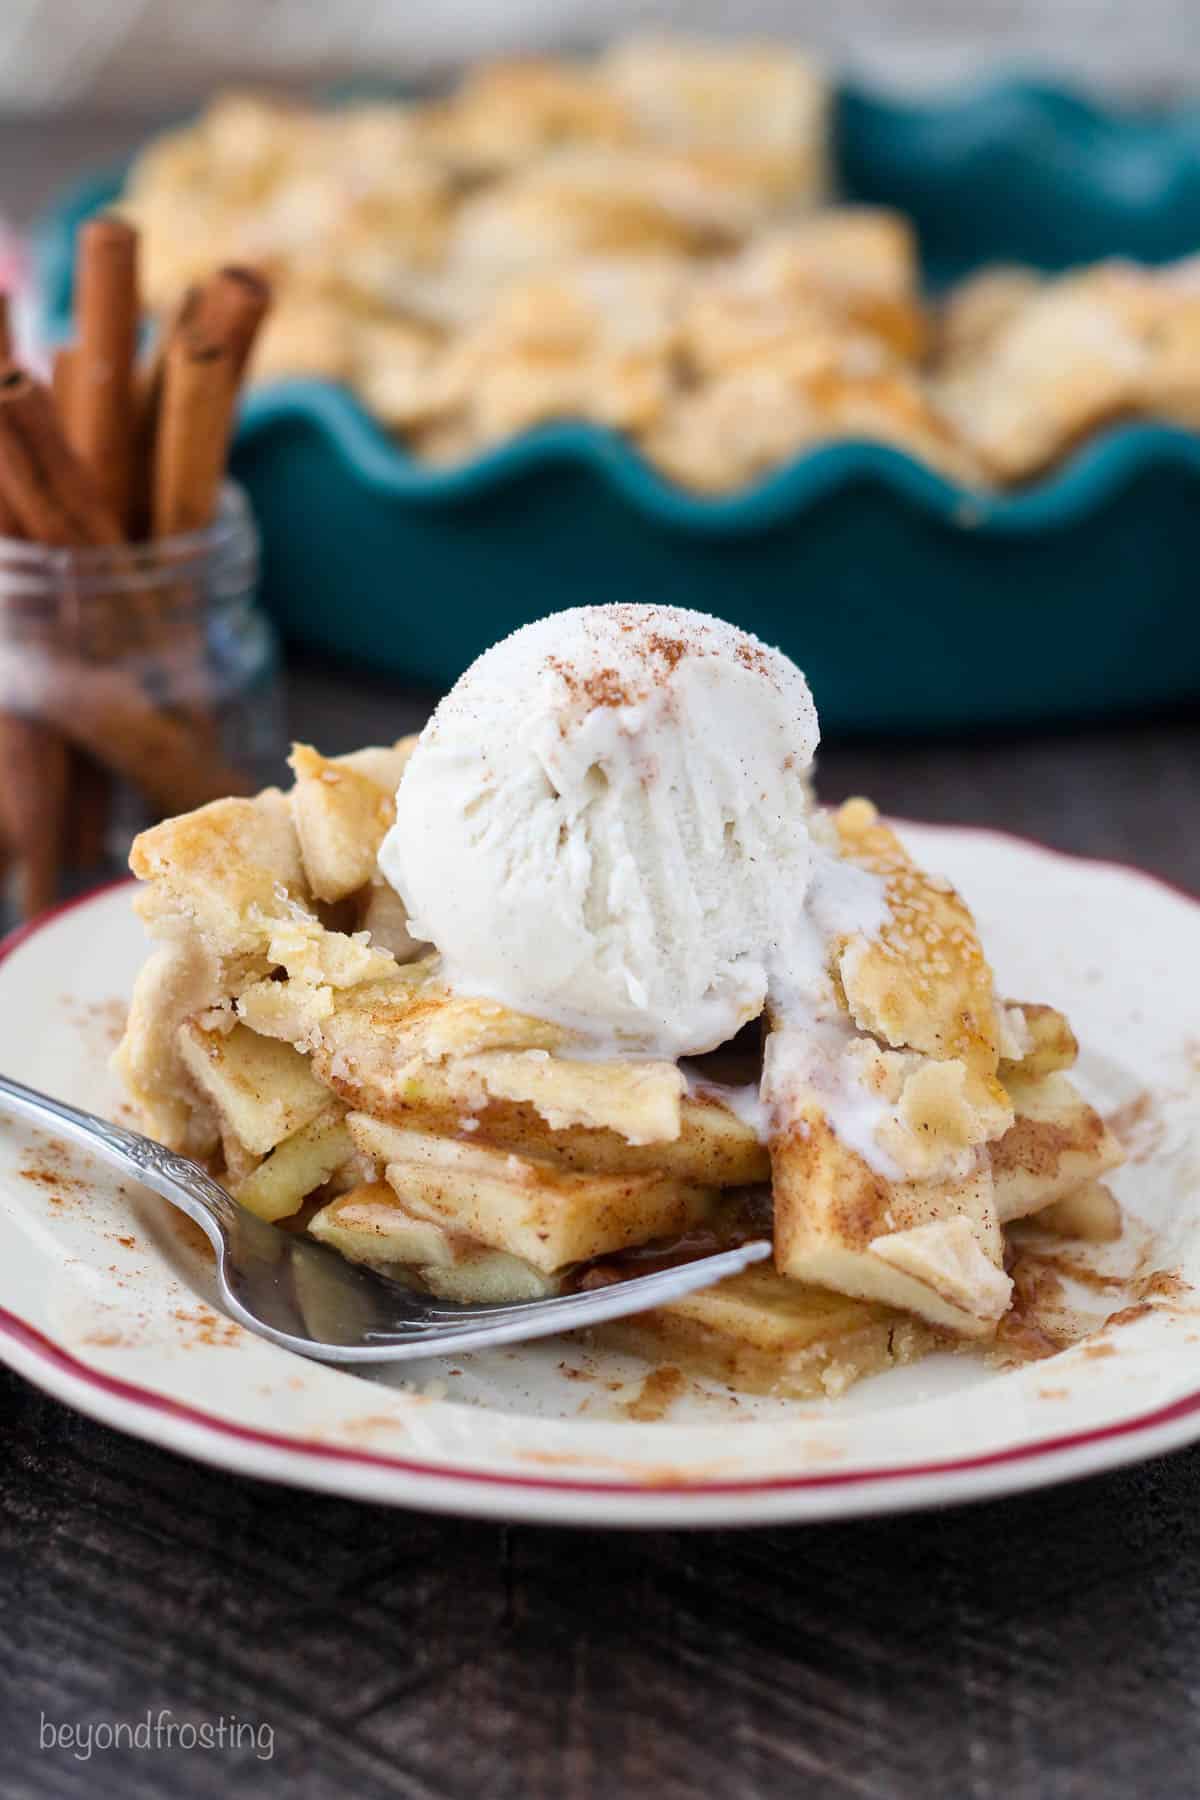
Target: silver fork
(306, 1297)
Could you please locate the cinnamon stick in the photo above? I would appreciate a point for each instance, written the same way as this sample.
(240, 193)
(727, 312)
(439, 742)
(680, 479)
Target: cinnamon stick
(147, 407)
(47, 489)
(8, 519)
(232, 307)
(101, 394)
(227, 312)
(89, 810)
(35, 764)
(63, 365)
(191, 448)
(105, 712)
(192, 443)
(89, 798)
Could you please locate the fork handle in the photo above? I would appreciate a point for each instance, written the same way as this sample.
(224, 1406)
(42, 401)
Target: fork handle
(83, 1127)
(177, 1178)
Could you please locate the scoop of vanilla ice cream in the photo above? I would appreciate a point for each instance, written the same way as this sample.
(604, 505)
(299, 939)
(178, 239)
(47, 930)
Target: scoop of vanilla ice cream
(606, 823)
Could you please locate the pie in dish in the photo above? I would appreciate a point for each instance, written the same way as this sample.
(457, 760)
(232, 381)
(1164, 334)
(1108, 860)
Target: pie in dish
(291, 1029)
(645, 241)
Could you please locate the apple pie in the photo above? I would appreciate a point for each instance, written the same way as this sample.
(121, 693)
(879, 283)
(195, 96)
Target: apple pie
(645, 240)
(290, 1030)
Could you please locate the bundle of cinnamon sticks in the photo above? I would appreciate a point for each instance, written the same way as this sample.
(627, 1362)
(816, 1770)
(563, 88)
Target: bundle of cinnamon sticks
(116, 453)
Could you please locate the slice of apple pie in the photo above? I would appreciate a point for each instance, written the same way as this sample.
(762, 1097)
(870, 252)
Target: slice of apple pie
(891, 1116)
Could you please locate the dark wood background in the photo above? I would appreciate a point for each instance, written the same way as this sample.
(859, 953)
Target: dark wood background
(1048, 1645)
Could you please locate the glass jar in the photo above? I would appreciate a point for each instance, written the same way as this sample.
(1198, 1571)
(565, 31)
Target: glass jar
(152, 661)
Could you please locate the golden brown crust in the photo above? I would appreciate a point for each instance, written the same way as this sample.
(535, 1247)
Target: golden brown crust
(924, 983)
(929, 1247)
(341, 816)
(229, 869)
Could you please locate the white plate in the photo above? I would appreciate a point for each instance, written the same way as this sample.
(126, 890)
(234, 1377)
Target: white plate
(104, 1302)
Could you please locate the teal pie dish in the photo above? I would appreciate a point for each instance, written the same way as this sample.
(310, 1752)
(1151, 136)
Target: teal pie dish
(912, 605)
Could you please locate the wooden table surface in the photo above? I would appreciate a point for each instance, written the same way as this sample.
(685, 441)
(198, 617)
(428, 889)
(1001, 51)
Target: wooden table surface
(1048, 1645)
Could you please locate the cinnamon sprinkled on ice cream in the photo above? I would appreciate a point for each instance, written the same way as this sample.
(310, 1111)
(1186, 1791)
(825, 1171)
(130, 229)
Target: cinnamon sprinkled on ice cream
(606, 823)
